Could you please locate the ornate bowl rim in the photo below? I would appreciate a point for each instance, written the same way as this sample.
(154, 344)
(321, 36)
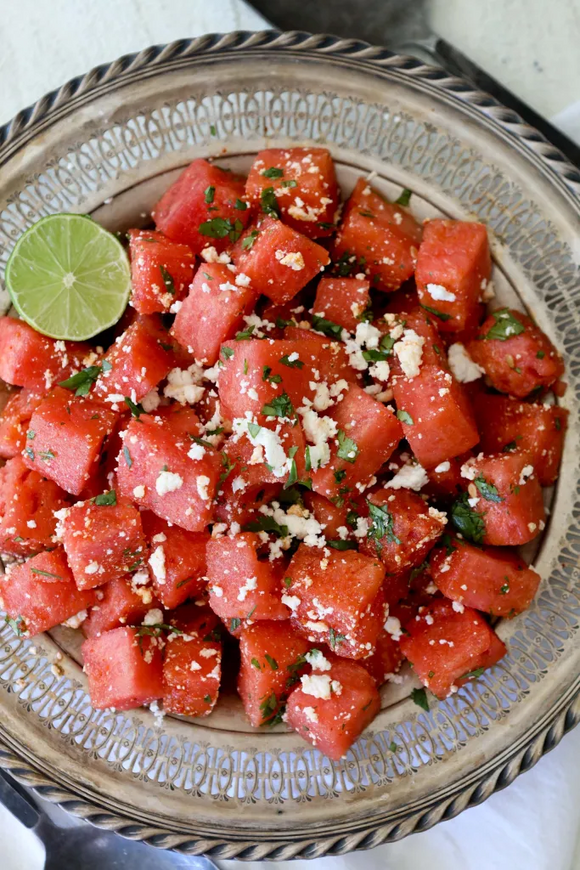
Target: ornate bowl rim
(546, 732)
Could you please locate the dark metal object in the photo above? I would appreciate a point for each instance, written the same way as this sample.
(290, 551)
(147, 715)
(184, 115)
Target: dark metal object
(401, 25)
(86, 847)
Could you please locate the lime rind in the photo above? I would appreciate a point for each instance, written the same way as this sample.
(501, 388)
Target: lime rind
(68, 277)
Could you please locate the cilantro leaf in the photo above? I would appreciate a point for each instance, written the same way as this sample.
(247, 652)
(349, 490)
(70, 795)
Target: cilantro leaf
(404, 417)
(272, 662)
(245, 334)
(127, 456)
(419, 697)
(279, 406)
(505, 326)
(167, 280)
(270, 378)
(292, 364)
(272, 172)
(227, 352)
(17, 625)
(219, 228)
(269, 202)
(488, 490)
(347, 448)
(440, 314)
(135, 408)
(334, 638)
(467, 521)
(248, 242)
(381, 526)
(105, 498)
(405, 197)
(327, 327)
(209, 194)
(342, 545)
(82, 382)
(266, 524)
(472, 674)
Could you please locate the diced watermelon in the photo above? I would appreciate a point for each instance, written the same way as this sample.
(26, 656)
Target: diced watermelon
(177, 560)
(156, 472)
(124, 668)
(437, 417)
(332, 517)
(452, 272)
(29, 359)
(445, 481)
(445, 645)
(402, 528)
(181, 420)
(41, 593)
(213, 311)
(367, 434)
(516, 355)
(192, 666)
(14, 421)
(135, 364)
(249, 484)
(386, 659)
(342, 301)
(103, 541)
(506, 507)
(203, 208)
(272, 661)
(378, 238)
(332, 709)
(241, 586)
(495, 581)
(336, 599)
(161, 271)
(303, 182)
(27, 505)
(538, 430)
(65, 438)
(278, 260)
(121, 602)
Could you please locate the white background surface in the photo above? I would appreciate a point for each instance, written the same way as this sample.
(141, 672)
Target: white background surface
(531, 46)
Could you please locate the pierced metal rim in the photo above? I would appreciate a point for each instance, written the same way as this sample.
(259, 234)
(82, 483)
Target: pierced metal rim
(14, 136)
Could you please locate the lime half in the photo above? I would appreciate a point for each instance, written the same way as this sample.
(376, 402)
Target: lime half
(68, 277)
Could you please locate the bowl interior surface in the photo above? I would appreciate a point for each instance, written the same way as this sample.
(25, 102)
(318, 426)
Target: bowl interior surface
(218, 783)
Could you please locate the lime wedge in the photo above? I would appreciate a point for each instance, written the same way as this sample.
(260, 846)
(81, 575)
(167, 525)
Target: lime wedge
(68, 277)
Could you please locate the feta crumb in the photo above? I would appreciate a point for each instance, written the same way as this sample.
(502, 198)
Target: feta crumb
(310, 714)
(393, 627)
(248, 586)
(438, 292)
(139, 491)
(184, 385)
(317, 685)
(464, 369)
(410, 476)
(442, 467)
(153, 617)
(409, 350)
(317, 660)
(92, 568)
(294, 260)
(202, 482)
(168, 481)
(157, 562)
(291, 601)
(196, 451)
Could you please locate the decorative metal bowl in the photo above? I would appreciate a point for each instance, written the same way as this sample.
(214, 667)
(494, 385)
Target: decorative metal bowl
(217, 785)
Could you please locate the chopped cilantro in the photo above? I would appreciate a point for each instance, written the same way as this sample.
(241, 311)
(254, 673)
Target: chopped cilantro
(511, 445)
(82, 382)
(31, 434)
(288, 582)
(339, 475)
(472, 674)
(227, 466)
(209, 194)
(227, 352)
(405, 197)
(381, 526)
(345, 264)
(347, 448)
(393, 746)
(245, 334)
(269, 202)
(235, 623)
(266, 524)
(419, 697)
(256, 664)
(269, 706)
(292, 364)
(219, 228)
(279, 406)
(272, 172)
(212, 130)
(254, 429)
(467, 521)
(505, 326)
(17, 625)
(291, 183)
(272, 662)
(506, 587)
(404, 417)
(240, 205)
(135, 408)
(207, 699)
(270, 378)
(46, 455)
(488, 490)
(342, 545)
(540, 354)
(384, 351)
(440, 314)
(248, 242)
(334, 638)
(307, 459)
(127, 456)
(46, 574)
(327, 327)
(446, 541)
(105, 498)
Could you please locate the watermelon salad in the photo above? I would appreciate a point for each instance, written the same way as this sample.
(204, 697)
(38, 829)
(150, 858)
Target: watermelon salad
(308, 452)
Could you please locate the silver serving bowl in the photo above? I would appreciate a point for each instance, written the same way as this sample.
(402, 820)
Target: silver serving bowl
(218, 785)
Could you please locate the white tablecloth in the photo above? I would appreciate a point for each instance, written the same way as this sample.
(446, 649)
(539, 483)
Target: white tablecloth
(532, 825)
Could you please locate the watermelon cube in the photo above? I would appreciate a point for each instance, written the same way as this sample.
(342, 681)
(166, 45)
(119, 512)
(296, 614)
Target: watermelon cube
(386, 660)
(446, 645)
(303, 182)
(336, 598)
(331, 709)
(240, 585)
(452, 272)
(342, 301)
(103, 540)
(135, 364)
(367, 434)
(66, 437)
(41, 593)
(156, 472)
(204, 207)
(161, 271)
(29, 359)
(213, 311)
(516, 355)
(382, 237)
(495, 581)
(278, 260)
(192, 666)
(124, 668)
(124, 601)
(28, 502)
(14, 421)
(177, 561)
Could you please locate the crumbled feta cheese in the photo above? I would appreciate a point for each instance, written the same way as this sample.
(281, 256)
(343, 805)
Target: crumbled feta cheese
(242, 280)
(210, 255)
(526, 472)
(316, 658)
(239, 484)
(153, 617)
(317, 685)
(409, 350)
(294, 260)
(77, 620)
(157, 562)
(310, 714)
(184, 385)
(92, 568)
(410, 476)
(438, 292)
(440, 516)
(202, 482)
(168, 481)
(442, 467)
(393, 627)
(248, 586)
(291, 601)
(151, 401)
(196, 451)
(464, 369)
(139, 491)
